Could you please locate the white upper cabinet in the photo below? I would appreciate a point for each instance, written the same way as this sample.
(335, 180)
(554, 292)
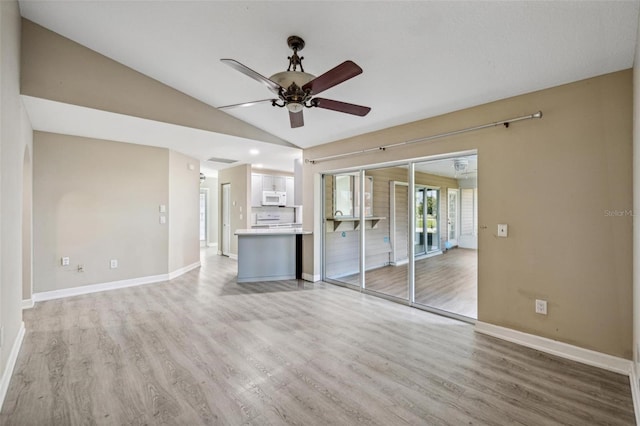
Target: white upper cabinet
(273, 183)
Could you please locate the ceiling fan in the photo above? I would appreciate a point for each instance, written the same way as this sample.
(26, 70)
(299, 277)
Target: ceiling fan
(296, 89)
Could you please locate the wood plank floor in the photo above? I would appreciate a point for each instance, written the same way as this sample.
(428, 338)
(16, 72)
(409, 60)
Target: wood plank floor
(202, 349)
(448, 281)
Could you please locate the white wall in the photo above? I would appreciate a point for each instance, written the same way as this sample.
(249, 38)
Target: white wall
(15, 137)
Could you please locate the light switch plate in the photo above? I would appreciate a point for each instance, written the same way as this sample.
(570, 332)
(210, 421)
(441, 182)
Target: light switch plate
(64, 261)
(502, 230)
(163, 220)
(163, 208)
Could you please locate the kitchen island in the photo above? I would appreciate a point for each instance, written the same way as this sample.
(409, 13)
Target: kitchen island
(269, 254)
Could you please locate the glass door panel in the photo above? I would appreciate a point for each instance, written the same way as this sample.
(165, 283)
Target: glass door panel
(341, 230)
(446, 281)
(387, 232)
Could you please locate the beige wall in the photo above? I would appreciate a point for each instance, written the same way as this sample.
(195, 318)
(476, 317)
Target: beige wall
(184, 211)
(636, 203)
(240, 209)
(558, 183)
(94, 201)
(15, 138)
(27, 223)
(59, 69)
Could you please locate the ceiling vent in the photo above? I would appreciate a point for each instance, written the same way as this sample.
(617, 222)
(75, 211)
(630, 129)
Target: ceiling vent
(222, 160)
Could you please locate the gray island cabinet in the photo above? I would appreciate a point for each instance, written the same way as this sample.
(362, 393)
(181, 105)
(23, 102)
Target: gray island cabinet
(269, 254)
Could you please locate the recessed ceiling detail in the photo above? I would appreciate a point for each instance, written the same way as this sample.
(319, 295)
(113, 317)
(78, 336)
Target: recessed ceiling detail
(222, 160)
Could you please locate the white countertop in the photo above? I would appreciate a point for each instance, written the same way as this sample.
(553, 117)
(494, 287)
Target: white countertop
(271, 231)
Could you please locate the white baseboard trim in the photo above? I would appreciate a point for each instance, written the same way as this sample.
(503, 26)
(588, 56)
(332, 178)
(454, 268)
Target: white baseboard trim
(554, 347)
(113, 285)
(11, 363)
(27, 303)
(233, 256)
(310, 277)
(183, 270)
(635, 391)
(219, 252)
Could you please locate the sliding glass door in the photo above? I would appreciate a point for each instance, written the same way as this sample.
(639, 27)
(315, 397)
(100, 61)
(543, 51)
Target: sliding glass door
(386, 230)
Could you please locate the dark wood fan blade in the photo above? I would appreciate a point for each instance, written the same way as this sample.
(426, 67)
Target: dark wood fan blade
(245, 104)
(341, 106)
(271, 85)
(296, 119)
(334, 76)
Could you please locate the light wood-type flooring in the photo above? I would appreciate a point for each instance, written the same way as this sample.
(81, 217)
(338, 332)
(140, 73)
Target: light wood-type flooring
(204, 350)
(447, 281)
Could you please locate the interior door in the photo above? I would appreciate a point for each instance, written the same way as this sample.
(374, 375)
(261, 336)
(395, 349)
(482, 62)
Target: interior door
(452, 216)
(226, 219)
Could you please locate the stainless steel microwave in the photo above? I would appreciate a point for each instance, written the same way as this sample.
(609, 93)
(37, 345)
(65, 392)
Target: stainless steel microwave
(274, 198)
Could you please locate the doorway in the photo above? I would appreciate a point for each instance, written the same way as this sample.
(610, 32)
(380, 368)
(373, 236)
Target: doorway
(204, 196)
(226, 219)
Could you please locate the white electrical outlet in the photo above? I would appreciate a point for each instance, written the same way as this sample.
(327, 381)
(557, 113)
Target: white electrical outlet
(502, 230)
(163, 220)
(64, 261)
(113, 264)
(541, 307)
(163, 208)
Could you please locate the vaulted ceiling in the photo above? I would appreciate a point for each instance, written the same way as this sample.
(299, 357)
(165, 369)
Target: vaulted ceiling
(420, 59)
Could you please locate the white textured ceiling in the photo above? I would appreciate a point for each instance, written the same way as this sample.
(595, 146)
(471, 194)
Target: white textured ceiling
(420, 59)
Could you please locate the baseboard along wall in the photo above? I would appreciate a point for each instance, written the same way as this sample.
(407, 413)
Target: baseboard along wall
(11, 364)
(113, 285)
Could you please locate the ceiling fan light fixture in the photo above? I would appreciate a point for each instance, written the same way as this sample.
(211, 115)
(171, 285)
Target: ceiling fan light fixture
(460, 164)
(294, 107)
(286, 78)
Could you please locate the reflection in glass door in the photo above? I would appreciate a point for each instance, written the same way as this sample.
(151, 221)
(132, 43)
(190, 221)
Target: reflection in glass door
(420, 223)
(452, 218)
(427, 230)
(385, 228)
(431, 219)
(387, 235)
(341, 233)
